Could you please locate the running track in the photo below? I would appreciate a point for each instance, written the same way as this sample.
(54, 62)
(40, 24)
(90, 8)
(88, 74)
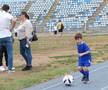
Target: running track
(98, 80)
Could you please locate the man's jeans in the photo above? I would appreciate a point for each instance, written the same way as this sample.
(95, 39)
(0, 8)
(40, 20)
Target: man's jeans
(26, 51)
(9, 46)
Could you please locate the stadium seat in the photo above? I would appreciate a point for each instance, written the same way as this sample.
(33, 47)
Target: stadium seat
(76, 8)
(41, 7)
(101, 21)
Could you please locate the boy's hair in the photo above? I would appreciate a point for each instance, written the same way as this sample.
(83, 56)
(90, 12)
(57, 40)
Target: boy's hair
(78, 35)
(5, 7)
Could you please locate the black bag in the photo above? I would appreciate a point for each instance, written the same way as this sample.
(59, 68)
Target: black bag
(62, 27)
(34, 38)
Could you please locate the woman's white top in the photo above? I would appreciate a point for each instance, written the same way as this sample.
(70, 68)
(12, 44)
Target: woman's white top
(24, 30)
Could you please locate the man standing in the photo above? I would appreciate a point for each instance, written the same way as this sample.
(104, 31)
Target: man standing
(60, 27)
(5, 34)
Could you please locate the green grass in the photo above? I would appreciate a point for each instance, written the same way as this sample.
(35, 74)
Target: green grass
(94, 54)
(95, 35)
(103, 51)
(49, 65)
(22, 66)
(102, 47)
(38, 77)
(56, 57)
(100, 61)
(67, 61)
(71, 56)
(105, 58)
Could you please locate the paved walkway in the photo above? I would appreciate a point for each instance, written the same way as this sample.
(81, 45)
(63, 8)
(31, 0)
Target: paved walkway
(98, 80)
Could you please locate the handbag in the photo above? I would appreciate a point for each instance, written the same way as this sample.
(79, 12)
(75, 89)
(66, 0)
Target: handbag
(34, 38)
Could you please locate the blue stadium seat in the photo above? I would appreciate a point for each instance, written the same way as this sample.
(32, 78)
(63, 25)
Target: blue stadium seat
(101, 21)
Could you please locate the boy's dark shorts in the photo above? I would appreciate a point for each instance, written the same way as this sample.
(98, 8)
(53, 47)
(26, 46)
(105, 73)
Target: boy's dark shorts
(55, 32)
(60, 30)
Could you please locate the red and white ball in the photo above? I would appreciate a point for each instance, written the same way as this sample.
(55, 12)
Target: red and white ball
(68, 80)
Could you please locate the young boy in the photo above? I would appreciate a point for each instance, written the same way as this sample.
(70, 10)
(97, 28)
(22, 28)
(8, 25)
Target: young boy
(84, 57)
(55, 29)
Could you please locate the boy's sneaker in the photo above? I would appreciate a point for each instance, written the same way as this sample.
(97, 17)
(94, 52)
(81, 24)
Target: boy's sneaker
(11, 71)
(12, 68)
(2, 68)
(83, 78)
(27, 68)
(86, 81)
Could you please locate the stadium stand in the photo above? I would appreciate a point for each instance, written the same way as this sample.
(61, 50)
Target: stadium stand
(102, 19)
(73, 13)
(40, 9)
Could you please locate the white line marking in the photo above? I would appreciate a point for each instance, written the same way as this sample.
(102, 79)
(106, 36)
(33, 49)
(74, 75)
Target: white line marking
(52, 86)
(104, 88)
(76, 77)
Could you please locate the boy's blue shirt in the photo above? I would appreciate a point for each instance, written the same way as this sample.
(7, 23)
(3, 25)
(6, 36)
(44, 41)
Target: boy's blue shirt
(81, 49)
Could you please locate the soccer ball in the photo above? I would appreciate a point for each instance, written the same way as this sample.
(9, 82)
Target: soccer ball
(68, 80)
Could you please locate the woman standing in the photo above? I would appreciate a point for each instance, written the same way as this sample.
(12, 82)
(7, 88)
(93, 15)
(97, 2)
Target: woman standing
(24, 35)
